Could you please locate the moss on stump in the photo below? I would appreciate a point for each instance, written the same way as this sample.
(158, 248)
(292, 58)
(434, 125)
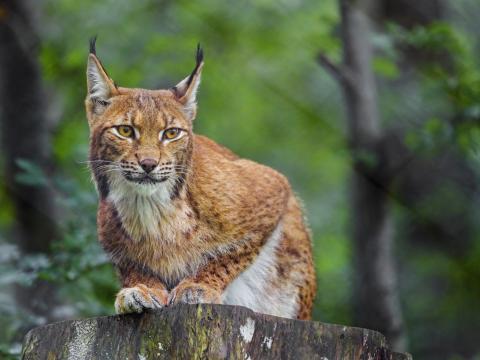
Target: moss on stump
(203, 332)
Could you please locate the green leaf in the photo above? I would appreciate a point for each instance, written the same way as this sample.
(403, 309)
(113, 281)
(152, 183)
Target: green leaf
(385, 67)
(32, 173)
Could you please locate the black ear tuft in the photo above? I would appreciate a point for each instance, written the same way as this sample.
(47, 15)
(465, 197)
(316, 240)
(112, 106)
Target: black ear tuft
(199, 59)
(199, 55)
(93, 40)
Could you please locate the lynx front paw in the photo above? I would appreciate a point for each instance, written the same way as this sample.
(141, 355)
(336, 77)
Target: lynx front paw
(138, 298)
(193, 293)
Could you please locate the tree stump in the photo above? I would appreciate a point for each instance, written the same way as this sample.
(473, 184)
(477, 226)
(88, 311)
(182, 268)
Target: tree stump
(203, 332)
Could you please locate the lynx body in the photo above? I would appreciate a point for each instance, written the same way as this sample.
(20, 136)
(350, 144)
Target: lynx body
(183, 218)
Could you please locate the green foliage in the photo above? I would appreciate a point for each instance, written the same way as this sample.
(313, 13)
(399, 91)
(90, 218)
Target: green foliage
(385, 67)
(450, 77)
(31, 174)
(456, 74)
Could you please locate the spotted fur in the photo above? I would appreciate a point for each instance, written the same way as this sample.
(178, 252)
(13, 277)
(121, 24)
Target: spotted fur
(204, 225)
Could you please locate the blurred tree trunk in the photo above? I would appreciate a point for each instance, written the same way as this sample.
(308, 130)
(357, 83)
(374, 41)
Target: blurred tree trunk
(376, 302)
(25, 135)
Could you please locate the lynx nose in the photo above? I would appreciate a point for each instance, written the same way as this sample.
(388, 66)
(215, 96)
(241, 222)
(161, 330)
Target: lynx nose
(148, 165)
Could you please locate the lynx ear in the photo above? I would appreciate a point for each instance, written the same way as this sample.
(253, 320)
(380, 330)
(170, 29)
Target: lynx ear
(186, 90)
(100, 87)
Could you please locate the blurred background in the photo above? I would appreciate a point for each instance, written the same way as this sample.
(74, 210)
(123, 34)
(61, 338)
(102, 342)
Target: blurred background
(372, 112)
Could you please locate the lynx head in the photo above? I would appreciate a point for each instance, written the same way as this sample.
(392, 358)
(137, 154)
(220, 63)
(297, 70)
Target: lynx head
(140, 140)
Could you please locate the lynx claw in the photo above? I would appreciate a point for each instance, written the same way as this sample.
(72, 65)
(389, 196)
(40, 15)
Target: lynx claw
(138, 298)
(193, 293)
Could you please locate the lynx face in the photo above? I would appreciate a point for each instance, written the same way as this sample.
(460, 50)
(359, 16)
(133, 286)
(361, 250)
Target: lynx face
(140, 139)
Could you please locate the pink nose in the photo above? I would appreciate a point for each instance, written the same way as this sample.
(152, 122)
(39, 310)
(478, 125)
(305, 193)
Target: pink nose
(148, 165)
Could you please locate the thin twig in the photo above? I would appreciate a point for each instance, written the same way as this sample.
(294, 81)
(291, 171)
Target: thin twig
(339, 72)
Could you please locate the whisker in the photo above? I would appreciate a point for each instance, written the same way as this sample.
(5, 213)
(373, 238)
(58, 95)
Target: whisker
(97, 161)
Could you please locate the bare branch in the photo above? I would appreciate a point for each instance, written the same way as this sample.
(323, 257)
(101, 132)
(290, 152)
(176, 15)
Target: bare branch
(339, 72)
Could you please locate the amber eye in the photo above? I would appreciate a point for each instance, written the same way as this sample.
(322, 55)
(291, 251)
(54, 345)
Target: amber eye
(125, 131)
(171, 133)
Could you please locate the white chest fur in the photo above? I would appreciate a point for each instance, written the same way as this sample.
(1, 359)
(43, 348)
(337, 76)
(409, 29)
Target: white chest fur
(147, 211)
(156, 227)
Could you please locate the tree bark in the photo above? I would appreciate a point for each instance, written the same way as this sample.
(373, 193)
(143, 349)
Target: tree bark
(25, 135)
(203, 332)
(376, 303)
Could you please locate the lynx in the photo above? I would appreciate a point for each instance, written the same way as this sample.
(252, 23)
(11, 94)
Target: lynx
(183, 219)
